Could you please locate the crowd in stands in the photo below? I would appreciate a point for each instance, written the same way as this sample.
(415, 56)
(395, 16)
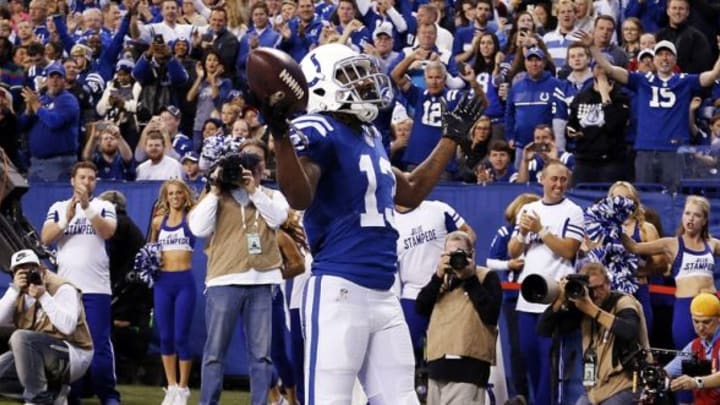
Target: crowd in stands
(152, 90)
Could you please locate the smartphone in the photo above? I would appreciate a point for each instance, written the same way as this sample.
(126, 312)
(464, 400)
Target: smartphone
(158, 39)
(541, 147)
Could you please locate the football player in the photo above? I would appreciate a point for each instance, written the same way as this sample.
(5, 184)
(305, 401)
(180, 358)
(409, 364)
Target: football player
(333, 165)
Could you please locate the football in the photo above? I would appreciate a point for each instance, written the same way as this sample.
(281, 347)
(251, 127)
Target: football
(273, 74)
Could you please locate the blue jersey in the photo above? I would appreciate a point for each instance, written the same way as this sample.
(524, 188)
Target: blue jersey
(350, 223)
(427, 123)
(496, 107)
(662, 110)
(532, 102)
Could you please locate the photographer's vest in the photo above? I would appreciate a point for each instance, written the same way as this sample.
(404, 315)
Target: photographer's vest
(708, 396)
(32, 319)
(456, 329)
(227, 249)
(610, 379)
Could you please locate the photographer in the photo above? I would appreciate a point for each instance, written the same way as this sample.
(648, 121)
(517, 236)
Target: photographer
(537, 153)
(463, 302)
(51, 346)
(612, 325)
(705, 314)
(239, 217)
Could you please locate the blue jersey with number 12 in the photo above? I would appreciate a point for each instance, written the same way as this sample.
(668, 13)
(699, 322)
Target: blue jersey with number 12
(350, 222)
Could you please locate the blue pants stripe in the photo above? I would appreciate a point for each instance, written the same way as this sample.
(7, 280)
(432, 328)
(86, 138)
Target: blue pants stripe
(314, 340)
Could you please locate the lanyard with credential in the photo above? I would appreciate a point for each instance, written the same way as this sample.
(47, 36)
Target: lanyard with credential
(242, 214)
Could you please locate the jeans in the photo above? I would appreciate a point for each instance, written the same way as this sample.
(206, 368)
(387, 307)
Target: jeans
(224, 304)
(37, 365)
(659, 167)
(52, 169)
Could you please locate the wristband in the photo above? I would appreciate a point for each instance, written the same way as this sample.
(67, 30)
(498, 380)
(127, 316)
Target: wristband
(90, 213)
(543, 233)
(62, 223)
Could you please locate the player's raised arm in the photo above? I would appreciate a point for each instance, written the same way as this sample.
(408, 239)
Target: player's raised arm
(413, 187)
(617, 73)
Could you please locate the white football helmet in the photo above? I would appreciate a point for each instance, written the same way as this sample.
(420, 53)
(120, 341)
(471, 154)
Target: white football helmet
(341, 80)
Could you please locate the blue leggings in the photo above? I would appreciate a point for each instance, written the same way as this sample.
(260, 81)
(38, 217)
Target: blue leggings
(643, 296)
(174, 294)
(282, 360)
(536, 356)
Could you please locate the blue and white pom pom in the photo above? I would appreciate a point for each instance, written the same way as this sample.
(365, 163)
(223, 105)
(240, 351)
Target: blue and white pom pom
(148, 263)
(213, 147)
(604, 223)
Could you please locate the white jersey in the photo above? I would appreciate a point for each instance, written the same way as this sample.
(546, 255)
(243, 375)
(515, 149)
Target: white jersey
(421, 241)
(166, 169)
(564, 220)
(81, 255)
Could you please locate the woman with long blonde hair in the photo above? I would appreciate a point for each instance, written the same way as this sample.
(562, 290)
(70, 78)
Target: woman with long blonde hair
(691, 253)
(174, 291)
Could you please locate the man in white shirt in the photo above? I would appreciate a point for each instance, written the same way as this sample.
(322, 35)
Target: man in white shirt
(548, 233)
(239, 217)
(159, 166)
(51, 345)
(168, 28)
(80, 226)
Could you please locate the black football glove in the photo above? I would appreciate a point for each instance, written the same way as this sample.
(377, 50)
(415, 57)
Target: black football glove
(276, 116)
(456, 124)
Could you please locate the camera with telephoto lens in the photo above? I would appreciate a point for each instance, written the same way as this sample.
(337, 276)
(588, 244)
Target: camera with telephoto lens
(232, 166)
(539, 289)
(34, 276)
(459, 259)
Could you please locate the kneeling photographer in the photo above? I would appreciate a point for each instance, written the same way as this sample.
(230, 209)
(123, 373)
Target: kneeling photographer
(691, 370)
(51, 346)
(613, 330)
(463, 302)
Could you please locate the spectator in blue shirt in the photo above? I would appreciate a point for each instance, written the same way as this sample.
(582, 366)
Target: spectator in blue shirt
(52, 123)
(110, 152)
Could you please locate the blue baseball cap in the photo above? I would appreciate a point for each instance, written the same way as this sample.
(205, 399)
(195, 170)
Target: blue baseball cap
(536, 52)
(55, 68)
(192, 156)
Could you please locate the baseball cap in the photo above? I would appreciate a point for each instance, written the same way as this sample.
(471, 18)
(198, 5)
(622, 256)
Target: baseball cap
(384, 28)
(55, 68)
(645, 52)
(665, 44)
(536, 52)
(191, 156)
(174, 111)
(705, 304)
(23, 257)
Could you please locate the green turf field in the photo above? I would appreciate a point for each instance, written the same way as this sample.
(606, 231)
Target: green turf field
(147, 395)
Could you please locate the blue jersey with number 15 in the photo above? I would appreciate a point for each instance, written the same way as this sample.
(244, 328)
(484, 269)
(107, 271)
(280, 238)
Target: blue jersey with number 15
(350, 223)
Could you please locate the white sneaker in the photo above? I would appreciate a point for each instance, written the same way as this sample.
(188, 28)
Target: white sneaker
(182, 395)
(170, 394)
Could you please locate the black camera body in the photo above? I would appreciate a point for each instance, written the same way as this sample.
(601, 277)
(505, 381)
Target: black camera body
(695, 367)
(576, 285)
(459, 259)
(232, 166)
(34, 276)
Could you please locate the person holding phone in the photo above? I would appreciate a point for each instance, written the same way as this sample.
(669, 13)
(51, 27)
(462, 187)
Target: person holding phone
(537, 153)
